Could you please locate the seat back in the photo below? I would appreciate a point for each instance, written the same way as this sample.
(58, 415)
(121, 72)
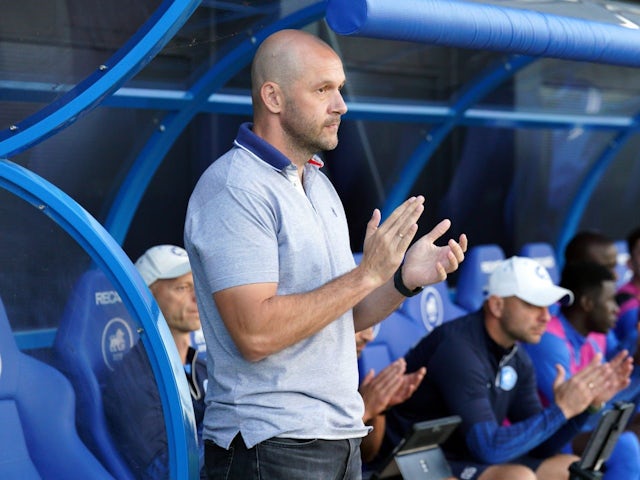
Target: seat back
(95, 333)
(473, 275)
(622, 269)
(544, 254)
(432, 307)
(394, 336)
(38, 437)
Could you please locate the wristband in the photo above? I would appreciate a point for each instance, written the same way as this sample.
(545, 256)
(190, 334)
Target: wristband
(401, 287)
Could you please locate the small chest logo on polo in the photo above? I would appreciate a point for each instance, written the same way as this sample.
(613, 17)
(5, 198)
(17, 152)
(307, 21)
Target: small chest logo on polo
(431, 308)
(117, 339)
(507, 378)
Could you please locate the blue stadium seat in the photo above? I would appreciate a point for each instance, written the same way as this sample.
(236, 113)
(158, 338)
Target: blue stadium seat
(432, 307)
(473, 275)
(38, 437)
(95, 333)
(395, 335)
(543, 253)
(623, 271)
(373, 357)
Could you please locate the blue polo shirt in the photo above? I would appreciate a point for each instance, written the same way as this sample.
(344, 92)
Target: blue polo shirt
(248, 222)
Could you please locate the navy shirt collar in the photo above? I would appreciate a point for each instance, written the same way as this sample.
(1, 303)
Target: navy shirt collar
(264, 150)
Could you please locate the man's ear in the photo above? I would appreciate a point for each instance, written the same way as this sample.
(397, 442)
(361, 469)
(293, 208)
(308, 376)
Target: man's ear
(495, 305)
(271, 97)
(586, 303)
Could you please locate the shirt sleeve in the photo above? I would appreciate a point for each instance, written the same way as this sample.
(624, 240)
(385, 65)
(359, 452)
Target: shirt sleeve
(488, 440)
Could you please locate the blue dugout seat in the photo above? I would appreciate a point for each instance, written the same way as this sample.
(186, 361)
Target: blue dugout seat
(95, 333)
(432, 307)
(394, 336)
(544, 254)
(622, 269)
(473, 275)
(38, 437)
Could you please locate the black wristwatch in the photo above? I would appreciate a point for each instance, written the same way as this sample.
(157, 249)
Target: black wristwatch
(401, 287)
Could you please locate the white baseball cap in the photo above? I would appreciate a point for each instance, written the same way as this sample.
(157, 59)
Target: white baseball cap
(528, 280)
(163, 261)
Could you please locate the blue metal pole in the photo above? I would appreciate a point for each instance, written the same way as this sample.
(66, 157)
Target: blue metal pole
(127, 61)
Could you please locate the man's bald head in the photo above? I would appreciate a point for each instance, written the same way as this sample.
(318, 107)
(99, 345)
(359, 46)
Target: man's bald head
(281, 58)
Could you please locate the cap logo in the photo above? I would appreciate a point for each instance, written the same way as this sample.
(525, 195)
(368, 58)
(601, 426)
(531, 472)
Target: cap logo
(431, 308)
(117, 340)
(179, 252)
(542, 273)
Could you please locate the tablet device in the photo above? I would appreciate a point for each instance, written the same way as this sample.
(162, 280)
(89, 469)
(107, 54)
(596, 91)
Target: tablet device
(604, 437)
(418, 455)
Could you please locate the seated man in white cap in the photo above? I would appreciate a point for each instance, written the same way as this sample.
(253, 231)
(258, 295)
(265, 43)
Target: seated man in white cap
(477, 371)
(131, 399)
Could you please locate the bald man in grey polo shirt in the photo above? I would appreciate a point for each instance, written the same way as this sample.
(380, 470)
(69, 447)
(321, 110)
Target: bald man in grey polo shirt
(279, 294)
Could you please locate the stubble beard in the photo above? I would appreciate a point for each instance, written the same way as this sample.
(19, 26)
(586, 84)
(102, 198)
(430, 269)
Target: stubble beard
(306, 136)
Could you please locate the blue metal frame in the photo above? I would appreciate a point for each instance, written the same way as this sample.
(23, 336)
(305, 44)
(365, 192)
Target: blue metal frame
(498, 27)
(488, 81)
(148, 161)
(379, 110)
(107, 254)
(586, 189)
(127, 61)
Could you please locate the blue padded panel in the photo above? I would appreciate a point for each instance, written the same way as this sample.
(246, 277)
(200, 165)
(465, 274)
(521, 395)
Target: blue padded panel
(95, 333)
(480, 25)
(543, 253)
(38, 405)
(432, 307)
(14, 454)
(399, 333)
(473, 275)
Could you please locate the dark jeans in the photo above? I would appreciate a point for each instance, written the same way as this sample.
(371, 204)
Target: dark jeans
(284, 459)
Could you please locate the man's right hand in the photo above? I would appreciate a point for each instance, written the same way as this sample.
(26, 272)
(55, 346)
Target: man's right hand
(574, 396)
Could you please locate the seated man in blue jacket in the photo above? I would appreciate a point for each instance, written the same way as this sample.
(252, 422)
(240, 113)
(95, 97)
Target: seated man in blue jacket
(478, 371)
(131, 399)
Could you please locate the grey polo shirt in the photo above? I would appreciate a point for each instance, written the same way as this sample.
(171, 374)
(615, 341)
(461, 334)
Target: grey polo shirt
(247, 222)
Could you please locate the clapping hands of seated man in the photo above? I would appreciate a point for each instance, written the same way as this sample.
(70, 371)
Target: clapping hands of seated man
(594, 385)
(388, 388)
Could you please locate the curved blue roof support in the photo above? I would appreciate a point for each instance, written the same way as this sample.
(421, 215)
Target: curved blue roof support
(106, 253)
(146, 164)
(472, 93)
(586, 189)
(126, 62)
(481, 25)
